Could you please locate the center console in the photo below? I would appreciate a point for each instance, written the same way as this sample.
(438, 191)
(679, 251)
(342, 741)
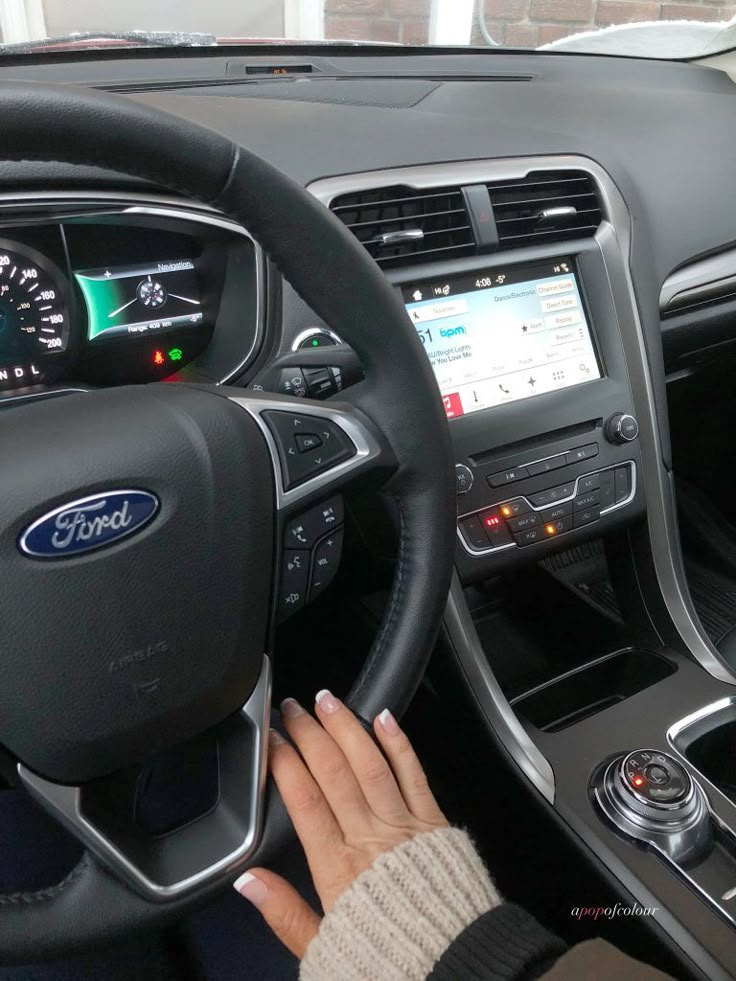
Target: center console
(531, 370)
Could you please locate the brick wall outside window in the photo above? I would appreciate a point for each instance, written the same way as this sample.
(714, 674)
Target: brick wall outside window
(513, 23)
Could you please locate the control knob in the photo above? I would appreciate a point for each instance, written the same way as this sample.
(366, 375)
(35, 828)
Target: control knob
(621, 428)
(463, 478)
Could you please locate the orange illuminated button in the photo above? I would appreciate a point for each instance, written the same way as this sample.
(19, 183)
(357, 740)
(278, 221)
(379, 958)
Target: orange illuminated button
(512, 509)
(557, 526)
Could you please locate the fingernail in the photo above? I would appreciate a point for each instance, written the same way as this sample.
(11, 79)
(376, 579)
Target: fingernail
(388, 723)
(251, 888)
(290, 708)
(327, 701)
(275, 738)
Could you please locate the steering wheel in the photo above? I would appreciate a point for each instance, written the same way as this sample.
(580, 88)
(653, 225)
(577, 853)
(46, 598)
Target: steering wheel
(164, 632)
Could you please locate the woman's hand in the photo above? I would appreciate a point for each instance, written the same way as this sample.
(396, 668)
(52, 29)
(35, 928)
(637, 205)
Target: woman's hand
(349, 803)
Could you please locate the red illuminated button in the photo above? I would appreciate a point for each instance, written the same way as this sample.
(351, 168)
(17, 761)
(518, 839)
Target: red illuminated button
(495, 527)
(453, 405)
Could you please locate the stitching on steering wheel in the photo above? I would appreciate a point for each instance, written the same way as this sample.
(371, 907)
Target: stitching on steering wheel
(396, 598)
(43, 895)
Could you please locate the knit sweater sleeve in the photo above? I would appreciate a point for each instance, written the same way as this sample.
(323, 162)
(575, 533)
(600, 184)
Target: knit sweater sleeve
(396, 920)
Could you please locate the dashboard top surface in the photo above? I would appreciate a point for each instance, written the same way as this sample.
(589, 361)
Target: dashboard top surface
(664, 131)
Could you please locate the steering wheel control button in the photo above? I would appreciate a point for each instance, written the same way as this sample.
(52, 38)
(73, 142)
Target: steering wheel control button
(504, 477)
(294, 581)
(299, 462)
(308, 528)
(463, 478)
(655, 778)
(621, 428)
(325, 563)
(307, 441)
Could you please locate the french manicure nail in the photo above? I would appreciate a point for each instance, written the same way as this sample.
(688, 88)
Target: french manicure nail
(327, 701)
(275, 738)
(251, 888)
(290, 708)
(388, 723)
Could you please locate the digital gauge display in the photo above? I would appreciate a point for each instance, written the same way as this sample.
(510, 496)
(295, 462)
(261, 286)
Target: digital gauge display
(34, 320)
(129, 301)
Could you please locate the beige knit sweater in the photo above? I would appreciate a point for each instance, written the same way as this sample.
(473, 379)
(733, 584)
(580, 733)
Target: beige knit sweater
(398, 918)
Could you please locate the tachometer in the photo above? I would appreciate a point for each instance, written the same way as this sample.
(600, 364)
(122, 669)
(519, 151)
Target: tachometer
(34, 320)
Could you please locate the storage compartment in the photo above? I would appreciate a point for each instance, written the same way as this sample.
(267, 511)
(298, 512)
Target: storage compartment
(709, 743)
(591, 688)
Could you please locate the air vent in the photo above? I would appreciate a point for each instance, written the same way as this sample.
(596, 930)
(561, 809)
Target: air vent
(545, 206)
(400, 225)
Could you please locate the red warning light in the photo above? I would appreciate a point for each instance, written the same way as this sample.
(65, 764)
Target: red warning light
(158, 357)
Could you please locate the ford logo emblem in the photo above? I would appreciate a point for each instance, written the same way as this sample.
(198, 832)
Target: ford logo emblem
(91, 522)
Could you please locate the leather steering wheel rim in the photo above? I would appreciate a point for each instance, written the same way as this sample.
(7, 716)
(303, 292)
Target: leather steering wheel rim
(337, 279)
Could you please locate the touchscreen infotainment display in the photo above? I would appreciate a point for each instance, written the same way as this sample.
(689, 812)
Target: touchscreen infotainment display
(505, 334)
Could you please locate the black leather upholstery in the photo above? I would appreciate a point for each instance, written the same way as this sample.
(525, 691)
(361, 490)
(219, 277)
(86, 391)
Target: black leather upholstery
(335, 277)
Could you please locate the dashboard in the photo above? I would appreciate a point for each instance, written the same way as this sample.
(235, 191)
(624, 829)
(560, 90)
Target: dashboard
(97, 290)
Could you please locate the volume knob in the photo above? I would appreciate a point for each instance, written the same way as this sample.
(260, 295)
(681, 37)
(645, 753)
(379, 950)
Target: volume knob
(622, 428)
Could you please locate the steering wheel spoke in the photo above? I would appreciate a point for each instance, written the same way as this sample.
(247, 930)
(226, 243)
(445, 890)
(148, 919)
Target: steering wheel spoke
(134, 838)
(317, 448)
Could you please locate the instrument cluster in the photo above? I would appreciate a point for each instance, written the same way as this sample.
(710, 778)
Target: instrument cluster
(105, 293)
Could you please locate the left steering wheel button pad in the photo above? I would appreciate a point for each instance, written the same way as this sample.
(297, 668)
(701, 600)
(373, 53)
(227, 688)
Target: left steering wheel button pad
(308, 445)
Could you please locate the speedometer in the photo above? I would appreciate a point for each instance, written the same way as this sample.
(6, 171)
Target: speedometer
(34, 320)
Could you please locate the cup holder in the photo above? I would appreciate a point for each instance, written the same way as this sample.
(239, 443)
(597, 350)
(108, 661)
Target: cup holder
(591, 688)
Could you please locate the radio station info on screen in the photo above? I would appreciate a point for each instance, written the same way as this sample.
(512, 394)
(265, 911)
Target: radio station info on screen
(501, 336)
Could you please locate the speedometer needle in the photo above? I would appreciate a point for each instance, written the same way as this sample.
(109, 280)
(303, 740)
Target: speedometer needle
(186, 299)
(123, 307)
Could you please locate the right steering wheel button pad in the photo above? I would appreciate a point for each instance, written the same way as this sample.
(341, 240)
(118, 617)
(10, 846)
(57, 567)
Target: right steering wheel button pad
(308, 445)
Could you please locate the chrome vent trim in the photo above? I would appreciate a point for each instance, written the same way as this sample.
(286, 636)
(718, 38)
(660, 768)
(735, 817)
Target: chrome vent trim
(401, 225)
(545, 206)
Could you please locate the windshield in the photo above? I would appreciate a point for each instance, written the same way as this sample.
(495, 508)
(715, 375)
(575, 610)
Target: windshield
(648, 28)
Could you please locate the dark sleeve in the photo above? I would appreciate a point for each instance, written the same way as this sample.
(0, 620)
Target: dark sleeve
(504, 944)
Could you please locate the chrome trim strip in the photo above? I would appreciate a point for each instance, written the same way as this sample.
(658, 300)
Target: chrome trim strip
(64, 802)
(500, 716)
(124, 203)
(611, 508)
(366, 446)
(702, 280)
(614, 241)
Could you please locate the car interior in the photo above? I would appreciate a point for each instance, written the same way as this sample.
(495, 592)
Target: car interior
(399, 371)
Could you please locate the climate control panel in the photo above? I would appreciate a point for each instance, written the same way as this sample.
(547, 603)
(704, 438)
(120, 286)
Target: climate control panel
(549, 513)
